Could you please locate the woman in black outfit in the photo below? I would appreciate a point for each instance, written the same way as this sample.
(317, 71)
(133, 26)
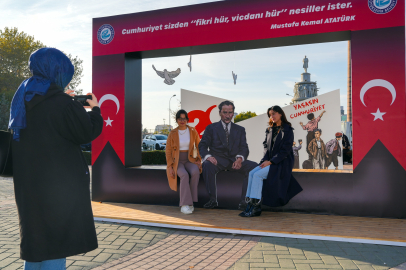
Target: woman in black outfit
(51, 177)
(272, 181)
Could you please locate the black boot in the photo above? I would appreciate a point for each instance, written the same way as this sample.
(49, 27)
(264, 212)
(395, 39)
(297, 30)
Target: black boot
(255, 209)
(247, 208)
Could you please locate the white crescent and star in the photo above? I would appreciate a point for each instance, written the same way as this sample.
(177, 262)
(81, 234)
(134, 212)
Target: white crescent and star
(378, 114)
(108, 122)
(381, 83)
(112, 98)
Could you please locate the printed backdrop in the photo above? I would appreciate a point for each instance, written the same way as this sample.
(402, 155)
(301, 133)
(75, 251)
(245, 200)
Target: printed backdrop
(330, 124)
(202, 110)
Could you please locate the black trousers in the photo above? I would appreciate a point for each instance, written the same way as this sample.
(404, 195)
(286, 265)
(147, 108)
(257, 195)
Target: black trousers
(310, 136)
(345, 155)
(332, 158)
(210, 170)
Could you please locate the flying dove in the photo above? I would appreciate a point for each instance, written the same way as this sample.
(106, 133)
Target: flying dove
(234, 77)
(167, 75)
(190, 63)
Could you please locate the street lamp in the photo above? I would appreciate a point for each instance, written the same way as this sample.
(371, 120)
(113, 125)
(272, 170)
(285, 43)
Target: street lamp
(170, 112)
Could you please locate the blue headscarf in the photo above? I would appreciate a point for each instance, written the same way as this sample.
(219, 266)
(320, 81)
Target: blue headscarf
(47, 65)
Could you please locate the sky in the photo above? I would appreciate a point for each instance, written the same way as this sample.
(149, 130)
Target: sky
(265, 76)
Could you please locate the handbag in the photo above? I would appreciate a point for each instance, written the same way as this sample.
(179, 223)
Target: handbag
(6, 162)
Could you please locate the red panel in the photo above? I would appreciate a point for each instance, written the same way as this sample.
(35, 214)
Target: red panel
(379, 55)
(260, 28)
(108, 78)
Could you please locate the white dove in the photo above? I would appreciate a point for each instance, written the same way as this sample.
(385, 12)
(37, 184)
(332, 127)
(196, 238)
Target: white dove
(190, 63)
(234, 77)
(167, 75)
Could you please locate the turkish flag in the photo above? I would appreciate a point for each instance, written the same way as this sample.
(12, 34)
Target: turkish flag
(108, 86)
(378, 91)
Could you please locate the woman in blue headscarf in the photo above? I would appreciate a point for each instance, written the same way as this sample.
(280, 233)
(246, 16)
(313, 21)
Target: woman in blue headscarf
(51, 177)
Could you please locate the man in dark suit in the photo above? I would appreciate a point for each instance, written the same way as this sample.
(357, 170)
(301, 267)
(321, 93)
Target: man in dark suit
(224, 147)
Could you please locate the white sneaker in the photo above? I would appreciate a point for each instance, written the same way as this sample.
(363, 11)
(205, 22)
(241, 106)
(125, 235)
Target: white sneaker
(192, 208)
(186, 210)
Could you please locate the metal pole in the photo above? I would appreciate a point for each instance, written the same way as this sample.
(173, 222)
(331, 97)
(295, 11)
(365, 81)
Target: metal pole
(170, 112)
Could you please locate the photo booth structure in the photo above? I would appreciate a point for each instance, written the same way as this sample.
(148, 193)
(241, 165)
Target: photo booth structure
(377, 187)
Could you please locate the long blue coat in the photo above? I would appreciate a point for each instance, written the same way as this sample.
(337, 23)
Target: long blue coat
(280, 186)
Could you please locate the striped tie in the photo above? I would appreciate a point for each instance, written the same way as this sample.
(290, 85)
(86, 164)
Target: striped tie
(226, 130)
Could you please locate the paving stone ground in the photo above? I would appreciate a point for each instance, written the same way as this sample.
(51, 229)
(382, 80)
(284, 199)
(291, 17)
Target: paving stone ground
(115, 240)
(303, 254)
(123, 246)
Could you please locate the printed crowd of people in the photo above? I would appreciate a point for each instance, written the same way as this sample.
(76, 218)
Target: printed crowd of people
(321, 154)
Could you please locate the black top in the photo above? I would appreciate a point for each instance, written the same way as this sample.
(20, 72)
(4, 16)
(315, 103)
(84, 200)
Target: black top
(51, 177)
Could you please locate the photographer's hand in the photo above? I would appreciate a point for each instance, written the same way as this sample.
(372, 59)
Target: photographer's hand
(70, 92)
(92, 102)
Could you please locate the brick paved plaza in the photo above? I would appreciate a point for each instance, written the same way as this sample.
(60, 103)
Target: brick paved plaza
(124, 246)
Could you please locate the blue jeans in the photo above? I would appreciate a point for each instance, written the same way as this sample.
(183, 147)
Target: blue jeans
(256, 181)
(58, 264)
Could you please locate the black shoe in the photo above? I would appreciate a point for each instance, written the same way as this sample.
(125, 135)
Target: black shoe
(255, 209)
(211, 204)
(247, 207)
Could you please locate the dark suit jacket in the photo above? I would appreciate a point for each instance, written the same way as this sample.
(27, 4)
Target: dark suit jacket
(214, 142)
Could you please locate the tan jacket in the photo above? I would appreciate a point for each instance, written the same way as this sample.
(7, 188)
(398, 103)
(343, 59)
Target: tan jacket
(313, 148)
(172, 154)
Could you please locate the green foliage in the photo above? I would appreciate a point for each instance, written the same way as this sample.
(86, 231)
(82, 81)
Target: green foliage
(244, 116)
(4, 111)
(156, 157)
(165, 131)
(88, 157)
(15, 50)
(78, 75)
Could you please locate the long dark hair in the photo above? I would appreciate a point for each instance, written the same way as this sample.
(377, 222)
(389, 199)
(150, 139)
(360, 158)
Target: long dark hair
(279, 110)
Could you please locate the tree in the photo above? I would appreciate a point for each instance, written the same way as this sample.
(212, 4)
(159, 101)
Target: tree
(244, 116)
(15, 50)
(173, 113)
(77, 76)
(165, 131)
(4, 112)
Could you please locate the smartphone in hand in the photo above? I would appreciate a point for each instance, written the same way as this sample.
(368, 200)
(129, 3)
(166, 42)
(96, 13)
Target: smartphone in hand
(82, 99)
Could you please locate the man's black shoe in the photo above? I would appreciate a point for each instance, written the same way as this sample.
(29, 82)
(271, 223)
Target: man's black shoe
(211, 204)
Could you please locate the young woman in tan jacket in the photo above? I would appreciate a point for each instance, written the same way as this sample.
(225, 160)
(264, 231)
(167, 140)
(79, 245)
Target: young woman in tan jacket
(183, 159)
